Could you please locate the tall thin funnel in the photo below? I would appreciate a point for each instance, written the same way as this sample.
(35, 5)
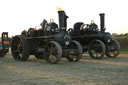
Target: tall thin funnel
(102, 22)
(62, 19)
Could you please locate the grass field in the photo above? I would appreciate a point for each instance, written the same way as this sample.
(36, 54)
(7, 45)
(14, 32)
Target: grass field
(88, 71)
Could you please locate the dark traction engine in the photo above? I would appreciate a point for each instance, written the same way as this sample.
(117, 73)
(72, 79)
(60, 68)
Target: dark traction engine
(49, 42)
(94, 41)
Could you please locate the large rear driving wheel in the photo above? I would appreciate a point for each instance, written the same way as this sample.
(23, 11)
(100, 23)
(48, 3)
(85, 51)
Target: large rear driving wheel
(20, 48)
(97, 49)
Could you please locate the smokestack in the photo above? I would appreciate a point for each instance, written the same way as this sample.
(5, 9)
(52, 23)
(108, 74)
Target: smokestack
(62, 19)
(102, 22)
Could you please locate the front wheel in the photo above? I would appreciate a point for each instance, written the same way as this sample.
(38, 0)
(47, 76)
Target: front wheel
(113, 49)
(53, 52)
(97, 49)
(76, 57)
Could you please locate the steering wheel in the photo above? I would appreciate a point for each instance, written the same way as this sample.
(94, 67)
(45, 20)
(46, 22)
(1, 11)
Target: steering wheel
(70, 30)
(84, 27)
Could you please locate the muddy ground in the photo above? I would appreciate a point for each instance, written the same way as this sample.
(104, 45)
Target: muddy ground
(107, 71)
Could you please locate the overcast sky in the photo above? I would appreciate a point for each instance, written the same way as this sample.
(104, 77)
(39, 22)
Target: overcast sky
(17, 15)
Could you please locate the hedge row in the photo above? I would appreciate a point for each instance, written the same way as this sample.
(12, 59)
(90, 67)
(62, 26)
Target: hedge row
(123, 41)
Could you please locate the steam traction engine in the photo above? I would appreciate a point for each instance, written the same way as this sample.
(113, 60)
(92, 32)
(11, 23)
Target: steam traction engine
(96, 42)
(50, 42)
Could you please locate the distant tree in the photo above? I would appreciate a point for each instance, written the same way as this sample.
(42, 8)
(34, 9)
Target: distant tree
(126, 34)
(114, 34)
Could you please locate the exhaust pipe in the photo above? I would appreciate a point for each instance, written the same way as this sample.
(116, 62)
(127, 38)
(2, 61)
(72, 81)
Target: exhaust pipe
(102, 22)
(62, 20)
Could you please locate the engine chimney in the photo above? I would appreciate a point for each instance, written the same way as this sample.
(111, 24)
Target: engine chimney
(102, 22)
(62, 20)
